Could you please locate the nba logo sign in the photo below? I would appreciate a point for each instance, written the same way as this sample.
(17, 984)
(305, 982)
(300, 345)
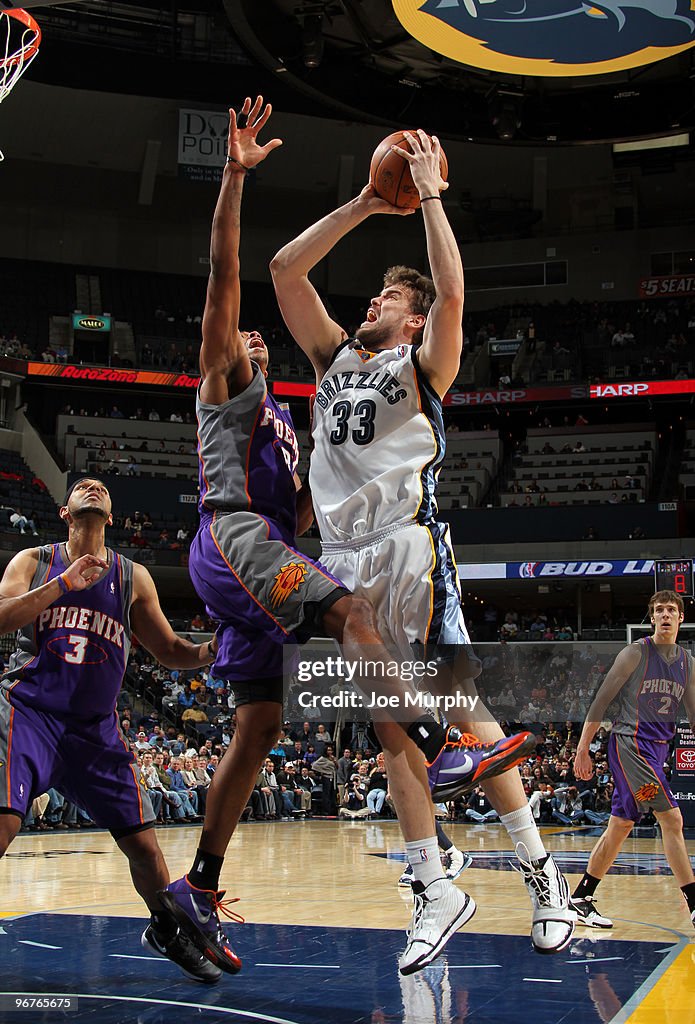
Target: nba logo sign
(527, 570)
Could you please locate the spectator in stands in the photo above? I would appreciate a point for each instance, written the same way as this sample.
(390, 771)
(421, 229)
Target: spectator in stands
(479, 808)
(614, 499)
(186, 698)
(21, 523)
(378, 786)
(116, 413)
(306, 735)
(141, 742)
(578, 448)
(182, 535)
(269, 788)
(322, 735)
(153, 416)
(568, 808)
(591, 533)
(354, 802)
(189, 797)
(637, 533)
(601, 811)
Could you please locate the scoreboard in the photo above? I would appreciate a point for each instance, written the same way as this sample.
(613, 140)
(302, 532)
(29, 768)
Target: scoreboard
(674, 575)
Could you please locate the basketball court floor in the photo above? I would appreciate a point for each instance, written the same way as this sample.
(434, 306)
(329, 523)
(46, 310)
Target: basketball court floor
(325, 925)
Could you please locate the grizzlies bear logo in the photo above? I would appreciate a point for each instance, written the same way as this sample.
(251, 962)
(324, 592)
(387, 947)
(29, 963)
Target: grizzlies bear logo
(551, 37)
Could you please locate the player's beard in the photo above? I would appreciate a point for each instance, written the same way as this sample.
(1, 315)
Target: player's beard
(374, 336)
(89, 510)
(260, 357)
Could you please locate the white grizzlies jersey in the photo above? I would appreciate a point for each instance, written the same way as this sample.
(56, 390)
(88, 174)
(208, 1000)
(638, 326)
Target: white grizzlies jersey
(378, 443)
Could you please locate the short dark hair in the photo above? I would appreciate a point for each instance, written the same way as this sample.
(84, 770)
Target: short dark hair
(420, 288)
(80, 480)
(666, 597)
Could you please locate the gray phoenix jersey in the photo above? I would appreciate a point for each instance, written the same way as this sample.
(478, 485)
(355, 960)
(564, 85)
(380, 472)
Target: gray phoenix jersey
(248, 452)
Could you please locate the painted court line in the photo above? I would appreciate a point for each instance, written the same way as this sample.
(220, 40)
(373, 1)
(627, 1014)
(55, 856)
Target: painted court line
(178, 1003)
(596, 960)
(41, 945)
(648, 984)
(545, 981)
(470, 967)
(307, 967)
(131, 956)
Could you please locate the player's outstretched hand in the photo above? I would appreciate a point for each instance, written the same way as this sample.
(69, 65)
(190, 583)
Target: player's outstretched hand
(242, 146)
(375, 204)
(583, 765)
(424, 162)
(85, 571)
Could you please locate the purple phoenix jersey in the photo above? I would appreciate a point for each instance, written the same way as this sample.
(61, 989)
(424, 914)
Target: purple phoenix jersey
(248, 454)
(58, 720)
(70, 661)
(650, 699)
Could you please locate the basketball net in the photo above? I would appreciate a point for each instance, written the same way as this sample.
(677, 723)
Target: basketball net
(20, 37)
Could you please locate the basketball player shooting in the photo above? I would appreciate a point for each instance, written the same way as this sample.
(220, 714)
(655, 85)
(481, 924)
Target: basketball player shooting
(265, 593)
(379, 443)
(379, 437)
(76, 606)
(649, 679)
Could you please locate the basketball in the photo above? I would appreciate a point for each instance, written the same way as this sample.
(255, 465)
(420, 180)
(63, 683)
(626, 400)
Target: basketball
(390, 174)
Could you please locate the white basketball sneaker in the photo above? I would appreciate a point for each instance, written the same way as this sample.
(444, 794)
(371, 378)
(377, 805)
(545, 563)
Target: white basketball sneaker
(455, 863)
(587, 913)
(554, 919)
(439, 910)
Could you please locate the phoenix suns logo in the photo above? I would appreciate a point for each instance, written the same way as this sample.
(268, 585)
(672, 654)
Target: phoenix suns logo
(648, 792)
(287, 581)
(551, 37)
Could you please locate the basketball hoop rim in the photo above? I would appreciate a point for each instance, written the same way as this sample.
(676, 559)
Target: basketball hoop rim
(31, 48)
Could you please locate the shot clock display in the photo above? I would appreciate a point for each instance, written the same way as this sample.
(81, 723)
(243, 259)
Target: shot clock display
(676, 575)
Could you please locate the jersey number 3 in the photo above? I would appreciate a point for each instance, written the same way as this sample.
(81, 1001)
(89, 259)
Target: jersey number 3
(79, 646)
(364, 412)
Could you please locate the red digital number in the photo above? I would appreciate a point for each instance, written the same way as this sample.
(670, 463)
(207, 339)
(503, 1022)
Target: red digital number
(679, 584)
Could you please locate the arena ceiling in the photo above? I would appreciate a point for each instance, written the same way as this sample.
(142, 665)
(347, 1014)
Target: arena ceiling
(357, 58)
(354, 60)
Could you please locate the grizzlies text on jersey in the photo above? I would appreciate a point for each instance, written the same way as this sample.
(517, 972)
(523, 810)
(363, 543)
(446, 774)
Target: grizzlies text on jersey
(367, 395)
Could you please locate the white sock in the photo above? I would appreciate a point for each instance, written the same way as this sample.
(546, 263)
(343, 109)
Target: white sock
(423, 857)
(522, 829)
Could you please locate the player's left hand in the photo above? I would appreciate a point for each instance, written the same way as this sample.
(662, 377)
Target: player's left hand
(241, 142)
(375, 204)
(583, 765)
(424, 162)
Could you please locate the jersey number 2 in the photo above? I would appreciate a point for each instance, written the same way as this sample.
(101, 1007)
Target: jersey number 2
(365, 412)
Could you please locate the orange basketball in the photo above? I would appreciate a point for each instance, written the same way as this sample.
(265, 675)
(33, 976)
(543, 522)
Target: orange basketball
(390, 174)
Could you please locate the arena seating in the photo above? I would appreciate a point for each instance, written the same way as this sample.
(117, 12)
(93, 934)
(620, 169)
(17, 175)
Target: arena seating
(613, 463)
(469, 467)
(21, 489)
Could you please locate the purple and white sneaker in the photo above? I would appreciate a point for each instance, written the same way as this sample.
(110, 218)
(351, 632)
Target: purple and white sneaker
(197, 913)
(464, 762)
